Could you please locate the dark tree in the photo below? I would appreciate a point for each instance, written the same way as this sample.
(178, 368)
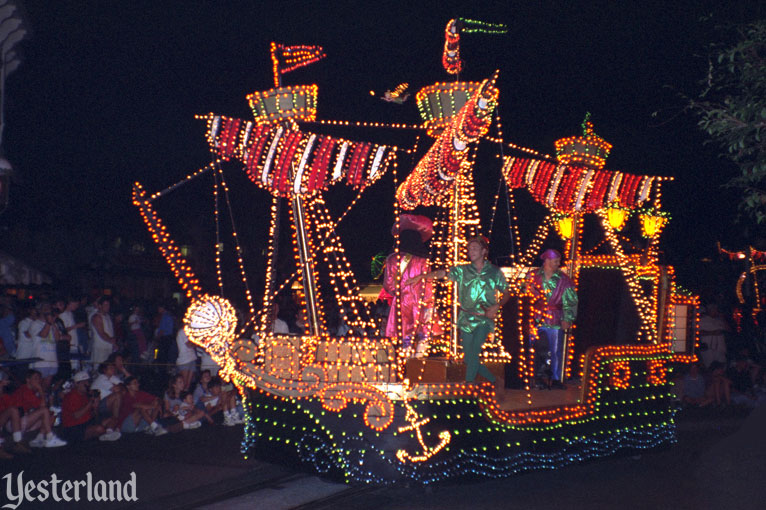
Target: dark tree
(732, 109)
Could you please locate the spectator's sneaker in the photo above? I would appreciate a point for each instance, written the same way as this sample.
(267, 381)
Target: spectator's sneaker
(159, 431)
(237, 419)
(54, 442)
(228, 420)
(112, 435)
(193, 425)
(37, 442)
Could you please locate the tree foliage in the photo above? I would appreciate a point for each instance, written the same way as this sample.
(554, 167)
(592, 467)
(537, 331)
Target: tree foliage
(732, 110)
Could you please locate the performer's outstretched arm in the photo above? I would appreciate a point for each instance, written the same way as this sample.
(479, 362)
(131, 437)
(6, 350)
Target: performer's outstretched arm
(439, 273)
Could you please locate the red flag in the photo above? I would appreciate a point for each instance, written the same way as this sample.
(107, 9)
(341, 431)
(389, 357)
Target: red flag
(289, 58)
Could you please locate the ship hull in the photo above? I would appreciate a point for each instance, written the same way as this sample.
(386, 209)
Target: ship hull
(453, 430)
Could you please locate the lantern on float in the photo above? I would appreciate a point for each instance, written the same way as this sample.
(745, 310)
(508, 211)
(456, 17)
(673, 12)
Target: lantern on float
(617, 216)
(565, 225)
(653, 221)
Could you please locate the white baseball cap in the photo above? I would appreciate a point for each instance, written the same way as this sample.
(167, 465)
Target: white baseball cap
(82, 375)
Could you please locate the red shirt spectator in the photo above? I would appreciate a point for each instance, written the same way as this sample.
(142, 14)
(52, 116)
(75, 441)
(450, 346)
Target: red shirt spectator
(6, 401)
(26, 398)
(29, 396)
(72, 402)
(129, 402)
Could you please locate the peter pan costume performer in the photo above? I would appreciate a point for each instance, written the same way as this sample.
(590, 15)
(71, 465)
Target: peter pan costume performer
(478, 284)
(555, 309)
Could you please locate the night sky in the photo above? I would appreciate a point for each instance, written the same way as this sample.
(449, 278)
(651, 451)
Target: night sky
(107, 92)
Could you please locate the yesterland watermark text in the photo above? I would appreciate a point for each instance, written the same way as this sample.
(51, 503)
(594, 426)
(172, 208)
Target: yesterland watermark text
(18, 491)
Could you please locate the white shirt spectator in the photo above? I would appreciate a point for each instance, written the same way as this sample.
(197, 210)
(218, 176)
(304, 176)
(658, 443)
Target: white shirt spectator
(101, 348)
(207, 362)
(67, 318)
(712, 327)
(134, 321)
(44, 347)
(186, 353)
(105, 385)
(25, 347)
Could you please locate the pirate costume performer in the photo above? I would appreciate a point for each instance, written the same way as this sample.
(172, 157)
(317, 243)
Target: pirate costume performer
(555, 310)
(416, 306)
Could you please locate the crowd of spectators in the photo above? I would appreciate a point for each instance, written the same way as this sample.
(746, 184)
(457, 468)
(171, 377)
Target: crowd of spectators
(75, 370)
(729, 370)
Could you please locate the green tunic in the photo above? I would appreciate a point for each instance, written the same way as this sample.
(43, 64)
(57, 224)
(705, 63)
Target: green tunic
(476, 291)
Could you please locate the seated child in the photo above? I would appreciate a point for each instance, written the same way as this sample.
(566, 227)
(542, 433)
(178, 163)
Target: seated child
(694, 389)
(223, 402)
(188, 414)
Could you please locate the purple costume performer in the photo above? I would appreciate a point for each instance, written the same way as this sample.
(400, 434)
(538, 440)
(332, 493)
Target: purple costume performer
(556, 304)
(416, 306)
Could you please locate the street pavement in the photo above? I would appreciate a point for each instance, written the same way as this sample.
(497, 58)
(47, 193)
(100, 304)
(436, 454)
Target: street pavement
(717, 463)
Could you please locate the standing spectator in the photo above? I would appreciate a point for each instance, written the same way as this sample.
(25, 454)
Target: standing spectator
(186, 363)
(207, 362)
(31, 399)
(44, 336)
(62, 340)
(119, 321)
(7, 336)
(102, 332)
(136, 324)
(81, 316)
(713, 330)
(25, 347)
(71, 326)
(164, 335)
(78, 413)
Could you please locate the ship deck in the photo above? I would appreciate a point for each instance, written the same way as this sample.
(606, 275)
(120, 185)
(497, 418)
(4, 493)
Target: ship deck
(507, 399)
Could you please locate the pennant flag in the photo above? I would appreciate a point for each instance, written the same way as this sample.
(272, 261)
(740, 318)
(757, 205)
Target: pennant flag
(289, 58)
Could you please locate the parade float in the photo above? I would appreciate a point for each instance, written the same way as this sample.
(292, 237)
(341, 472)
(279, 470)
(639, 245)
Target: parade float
(751, 266)
(359, 406)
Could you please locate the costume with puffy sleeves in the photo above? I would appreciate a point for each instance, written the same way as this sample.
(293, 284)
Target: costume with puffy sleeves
(416, 301)
(556, 301)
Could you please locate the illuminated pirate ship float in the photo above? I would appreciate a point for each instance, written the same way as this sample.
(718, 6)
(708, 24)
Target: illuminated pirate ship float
(358, 405)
